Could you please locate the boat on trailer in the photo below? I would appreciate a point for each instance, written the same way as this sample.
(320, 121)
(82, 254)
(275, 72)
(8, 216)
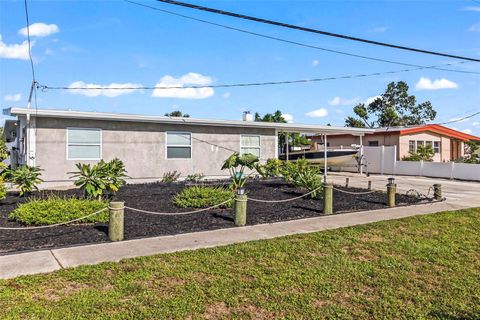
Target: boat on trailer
(335, 157)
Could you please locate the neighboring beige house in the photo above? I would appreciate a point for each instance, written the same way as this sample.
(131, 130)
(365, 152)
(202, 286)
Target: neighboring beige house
(55, 140)
(447, 143)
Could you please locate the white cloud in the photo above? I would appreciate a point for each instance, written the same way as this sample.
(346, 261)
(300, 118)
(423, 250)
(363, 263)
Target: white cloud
(226, 95)
(467, 131)
(472, 9)
(177, 84)
(315, 63)
(40, 29)
(288, 117)
(427, 84)
(371, 99)
(105, 90)
(14, 51)
(318, 113)
(338, 101)
(378, 30)
(13, 97)
(475, 28)
(476, 123)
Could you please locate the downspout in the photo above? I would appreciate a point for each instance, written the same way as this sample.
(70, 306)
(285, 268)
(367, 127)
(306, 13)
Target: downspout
(27, 125)
(325, 154)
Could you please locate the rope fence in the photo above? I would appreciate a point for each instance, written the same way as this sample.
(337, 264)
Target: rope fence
(178, 213)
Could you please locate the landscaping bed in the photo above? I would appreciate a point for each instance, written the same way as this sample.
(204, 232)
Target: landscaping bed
(159, 197)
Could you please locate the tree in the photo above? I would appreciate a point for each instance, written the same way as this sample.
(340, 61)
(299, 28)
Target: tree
(395, 107)
(3, 147)
(470, 151)
(424, 153)
(177, 113)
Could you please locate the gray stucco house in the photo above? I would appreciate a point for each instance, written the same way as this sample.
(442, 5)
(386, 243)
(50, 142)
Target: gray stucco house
(149, 146)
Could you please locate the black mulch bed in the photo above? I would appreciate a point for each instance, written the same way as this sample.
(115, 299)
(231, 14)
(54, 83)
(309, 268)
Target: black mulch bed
(158, 197)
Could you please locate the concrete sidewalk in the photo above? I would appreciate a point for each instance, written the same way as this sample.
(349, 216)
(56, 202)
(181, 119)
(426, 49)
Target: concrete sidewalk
(50, 260)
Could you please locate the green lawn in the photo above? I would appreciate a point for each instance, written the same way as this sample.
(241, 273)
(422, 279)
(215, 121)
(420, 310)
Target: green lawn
(420, 267)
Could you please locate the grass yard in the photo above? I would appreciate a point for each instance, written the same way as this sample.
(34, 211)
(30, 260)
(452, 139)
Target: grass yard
(420, 267)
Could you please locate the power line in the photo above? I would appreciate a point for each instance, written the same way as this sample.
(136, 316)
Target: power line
(232, 85)
(326, 33)
(29, 42)
(462, 119)
(296, 42)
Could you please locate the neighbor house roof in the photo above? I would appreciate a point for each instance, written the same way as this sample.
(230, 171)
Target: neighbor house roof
(435, 128)
(286, 127)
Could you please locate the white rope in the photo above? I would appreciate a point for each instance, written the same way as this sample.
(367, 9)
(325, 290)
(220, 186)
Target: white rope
(56, 224)
(178, 213)
(355, 193)
(285, 200)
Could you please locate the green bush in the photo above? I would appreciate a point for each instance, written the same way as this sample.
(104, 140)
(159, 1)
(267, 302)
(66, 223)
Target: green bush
(103, 176)
(424, 153)
(26, 178)
(302, 175)
(3, 189)
(203, 196)
(271, 169)
(196, 177)
(170, 176)
(56, 210)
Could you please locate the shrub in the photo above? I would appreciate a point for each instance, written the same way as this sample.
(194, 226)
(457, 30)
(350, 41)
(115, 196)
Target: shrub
(26, 178)
(170, 176)
(100, 177)
(236, 165)
(56, 210)
(424, 153)
(203, 196)
(196, 177)
(3, 189)
(310, 179)
(270, 169)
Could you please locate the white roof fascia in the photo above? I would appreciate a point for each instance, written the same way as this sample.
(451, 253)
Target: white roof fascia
(285, 127)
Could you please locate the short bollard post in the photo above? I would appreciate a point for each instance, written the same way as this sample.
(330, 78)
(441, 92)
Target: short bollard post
(240, 207)
(347, 180)
(391, 191)
(327, 198)
(115, 221)
(437, 191)
(369, 185)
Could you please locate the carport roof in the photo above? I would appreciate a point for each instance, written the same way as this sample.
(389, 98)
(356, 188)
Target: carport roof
(285, 127)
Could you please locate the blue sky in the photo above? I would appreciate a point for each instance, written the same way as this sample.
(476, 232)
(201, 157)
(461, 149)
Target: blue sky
(114, 42)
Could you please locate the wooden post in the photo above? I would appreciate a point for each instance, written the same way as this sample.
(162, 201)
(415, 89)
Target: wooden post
(437, 191)
(391, 190)
(240, 208)
(116, 221)
(369, 185)
(327, 198)
(347, 180)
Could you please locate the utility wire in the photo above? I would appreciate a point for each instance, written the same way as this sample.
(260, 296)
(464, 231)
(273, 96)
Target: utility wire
(232, 85)
(29, 43)
(296, 42)
(461, 119)
(326, 33)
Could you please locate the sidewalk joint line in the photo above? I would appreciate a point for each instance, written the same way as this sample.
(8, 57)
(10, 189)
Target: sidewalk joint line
(56, 259)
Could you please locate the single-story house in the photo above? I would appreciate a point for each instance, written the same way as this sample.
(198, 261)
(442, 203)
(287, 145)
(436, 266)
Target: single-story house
(55, 140)
(447, 143)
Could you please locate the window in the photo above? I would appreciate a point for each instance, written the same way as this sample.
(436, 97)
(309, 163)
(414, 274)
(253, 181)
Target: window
(373, 143)
(429, 143)
(84, 144)
(420, 143)
(250, 144)
(179, 145)
(411, 145)
(436, 146)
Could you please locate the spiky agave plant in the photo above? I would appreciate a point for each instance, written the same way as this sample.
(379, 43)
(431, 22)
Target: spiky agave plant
(26, 178)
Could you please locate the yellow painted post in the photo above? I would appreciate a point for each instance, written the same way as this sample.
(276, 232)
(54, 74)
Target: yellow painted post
(327, 198)
(116, 221)
(391, 191)
(240, 206)
(437, 191)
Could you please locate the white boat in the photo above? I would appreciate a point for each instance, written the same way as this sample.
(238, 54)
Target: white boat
(335, 157)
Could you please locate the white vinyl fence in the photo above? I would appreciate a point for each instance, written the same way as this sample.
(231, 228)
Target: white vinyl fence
(383, 160)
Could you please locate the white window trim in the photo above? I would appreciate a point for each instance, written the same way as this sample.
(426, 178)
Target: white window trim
(259, 147)
(176, 145)
(100, 144)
